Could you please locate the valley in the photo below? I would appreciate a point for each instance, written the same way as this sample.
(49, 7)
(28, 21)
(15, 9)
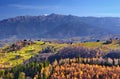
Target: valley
(17, 59)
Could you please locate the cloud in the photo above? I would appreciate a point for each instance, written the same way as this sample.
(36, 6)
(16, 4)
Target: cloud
(33, 7)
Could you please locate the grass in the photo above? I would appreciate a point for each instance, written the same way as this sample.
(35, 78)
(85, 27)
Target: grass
(10, 59)
(103, 47)
(25, 53)
(92, 44)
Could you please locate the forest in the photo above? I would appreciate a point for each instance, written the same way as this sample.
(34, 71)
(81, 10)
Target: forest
(28, 59)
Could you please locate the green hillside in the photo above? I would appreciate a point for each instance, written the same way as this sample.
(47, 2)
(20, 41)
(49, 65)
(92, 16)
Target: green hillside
(14, 58)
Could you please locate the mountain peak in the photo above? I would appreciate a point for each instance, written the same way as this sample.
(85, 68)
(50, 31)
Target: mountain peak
(45, 14)
(57, 26)
(54, 14)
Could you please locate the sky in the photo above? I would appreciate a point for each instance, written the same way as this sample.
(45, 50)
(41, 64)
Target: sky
(99, 8)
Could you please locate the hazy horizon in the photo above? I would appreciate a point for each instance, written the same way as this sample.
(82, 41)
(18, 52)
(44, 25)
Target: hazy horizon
(61, 14)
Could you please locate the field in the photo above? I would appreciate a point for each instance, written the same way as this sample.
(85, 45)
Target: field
(14, 58)
(10, 59)
(60, 60)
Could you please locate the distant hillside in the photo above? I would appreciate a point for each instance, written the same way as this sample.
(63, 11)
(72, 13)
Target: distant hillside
(58, 26)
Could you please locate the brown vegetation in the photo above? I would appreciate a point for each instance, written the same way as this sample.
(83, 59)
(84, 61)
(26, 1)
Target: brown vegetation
(85, 71)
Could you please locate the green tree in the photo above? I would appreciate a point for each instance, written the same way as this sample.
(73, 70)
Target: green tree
(45, 64)
(10, 76)
(2, 73)
(44, 75)
(21, 75)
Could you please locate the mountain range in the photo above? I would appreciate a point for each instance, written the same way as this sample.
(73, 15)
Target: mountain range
(57, 26)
